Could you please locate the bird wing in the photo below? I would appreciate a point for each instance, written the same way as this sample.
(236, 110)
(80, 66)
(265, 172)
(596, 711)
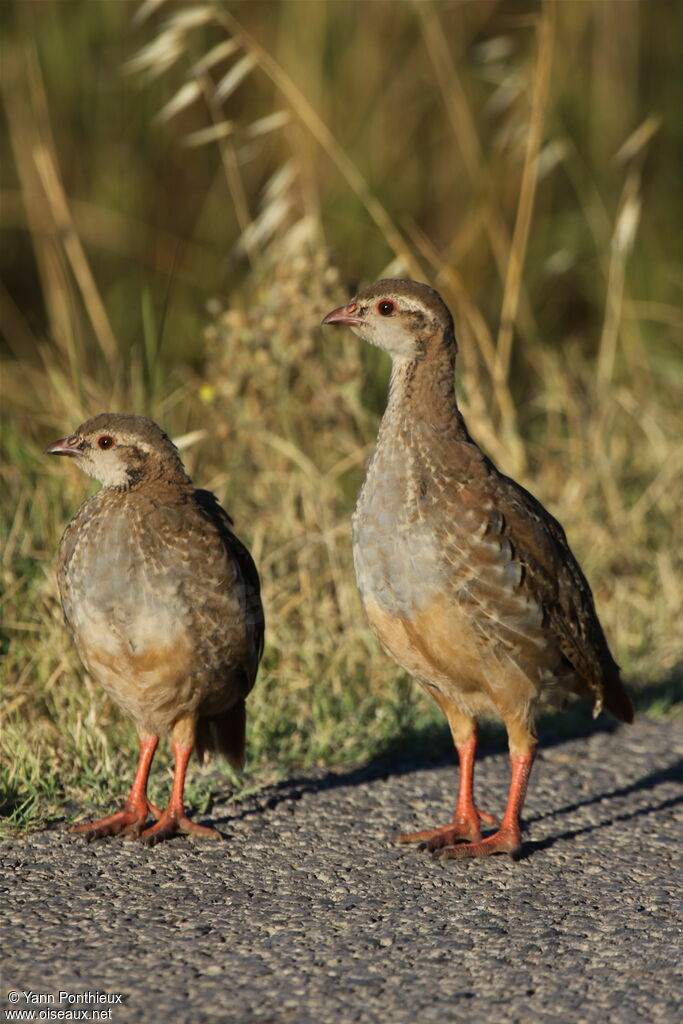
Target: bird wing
(550, 574)
(239, 554)
(511, 558)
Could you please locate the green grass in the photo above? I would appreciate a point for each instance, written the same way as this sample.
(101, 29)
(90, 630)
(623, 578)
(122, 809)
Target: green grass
(406, 141)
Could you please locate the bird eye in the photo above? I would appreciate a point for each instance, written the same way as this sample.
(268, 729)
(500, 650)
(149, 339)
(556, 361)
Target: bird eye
(386, 307)
(106, 441)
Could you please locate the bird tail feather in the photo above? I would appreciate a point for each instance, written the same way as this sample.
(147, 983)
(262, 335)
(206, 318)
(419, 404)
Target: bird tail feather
(223, 734)
(615, 698)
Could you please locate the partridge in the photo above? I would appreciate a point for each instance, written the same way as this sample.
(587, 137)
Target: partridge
(164, 606)
(466, 579)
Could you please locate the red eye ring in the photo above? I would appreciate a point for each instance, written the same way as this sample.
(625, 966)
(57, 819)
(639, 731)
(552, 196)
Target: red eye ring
(386, 307)
(104, 442)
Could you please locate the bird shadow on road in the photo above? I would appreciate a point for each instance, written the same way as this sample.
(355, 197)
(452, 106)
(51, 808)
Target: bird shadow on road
(672, 774)
(294, 789)
(431, 749)
(532, 846)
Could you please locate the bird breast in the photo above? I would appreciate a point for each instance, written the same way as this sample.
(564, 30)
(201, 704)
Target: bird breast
(155, 606)
(430, 550)
(117, 586)
(395, 550)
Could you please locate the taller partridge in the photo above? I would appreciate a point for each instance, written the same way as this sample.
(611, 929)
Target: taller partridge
(467, 580)
(163, 602)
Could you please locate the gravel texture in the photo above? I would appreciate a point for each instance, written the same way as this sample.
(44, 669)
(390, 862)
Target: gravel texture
(308, 913)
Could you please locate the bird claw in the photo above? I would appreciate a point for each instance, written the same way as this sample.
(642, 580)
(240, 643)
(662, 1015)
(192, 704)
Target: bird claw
(434, 839)
(169, 825)
(487, 819)
(129, 822)
(502, 841)
(465, 830)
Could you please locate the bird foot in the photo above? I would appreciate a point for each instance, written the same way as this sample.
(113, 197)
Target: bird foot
(172, 824)
(505, 840)
(130, 821)
(461, 830)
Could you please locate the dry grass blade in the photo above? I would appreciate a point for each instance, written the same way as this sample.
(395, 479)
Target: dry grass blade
(527, 192)
(189, 440)
(623, 238)
(192, 16)
(453, 94)
(467, 308)
(46, 203)
(657, 312)
(464, 131)
(213, 133)
(64, 229)
(185, 96)
(276, 207)
(50, 263)
(215, 55)
(230, 168)
(463, 128)
(638, 141)
(270, 123)
(233, 78)
(319, 130)
(146, 9)
(158, 56)
(19, 336)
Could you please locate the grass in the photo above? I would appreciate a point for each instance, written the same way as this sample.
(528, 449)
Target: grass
(523, 195)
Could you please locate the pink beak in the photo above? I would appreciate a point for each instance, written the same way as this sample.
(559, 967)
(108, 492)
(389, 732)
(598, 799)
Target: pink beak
(345, 315)
(65, 446)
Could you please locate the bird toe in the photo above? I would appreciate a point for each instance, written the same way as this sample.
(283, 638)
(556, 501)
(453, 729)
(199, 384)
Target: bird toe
(502, 841)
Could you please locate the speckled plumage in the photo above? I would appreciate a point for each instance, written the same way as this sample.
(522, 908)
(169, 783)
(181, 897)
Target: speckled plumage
(467, 580)
(160, 595)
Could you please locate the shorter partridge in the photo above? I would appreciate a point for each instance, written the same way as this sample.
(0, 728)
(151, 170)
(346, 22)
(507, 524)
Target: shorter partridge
(164, 606)
(467, 580)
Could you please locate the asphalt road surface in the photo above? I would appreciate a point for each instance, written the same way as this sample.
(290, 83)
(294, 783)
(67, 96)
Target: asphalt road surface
(308, 913)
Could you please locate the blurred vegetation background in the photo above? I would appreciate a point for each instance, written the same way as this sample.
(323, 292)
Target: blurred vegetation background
(188, 187)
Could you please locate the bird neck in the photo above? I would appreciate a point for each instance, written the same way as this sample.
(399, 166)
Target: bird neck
(422, 392)
(145, 472)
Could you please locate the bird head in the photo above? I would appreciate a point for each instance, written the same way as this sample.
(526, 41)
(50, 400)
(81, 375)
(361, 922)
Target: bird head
(122, 451)
(402, 317)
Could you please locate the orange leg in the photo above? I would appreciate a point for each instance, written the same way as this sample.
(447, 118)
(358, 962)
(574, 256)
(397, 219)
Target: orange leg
(508, 838)
(174, 820)
(466, 820)
(131, 820)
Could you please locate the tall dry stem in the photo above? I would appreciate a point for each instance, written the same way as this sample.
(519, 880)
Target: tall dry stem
(520, 237)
